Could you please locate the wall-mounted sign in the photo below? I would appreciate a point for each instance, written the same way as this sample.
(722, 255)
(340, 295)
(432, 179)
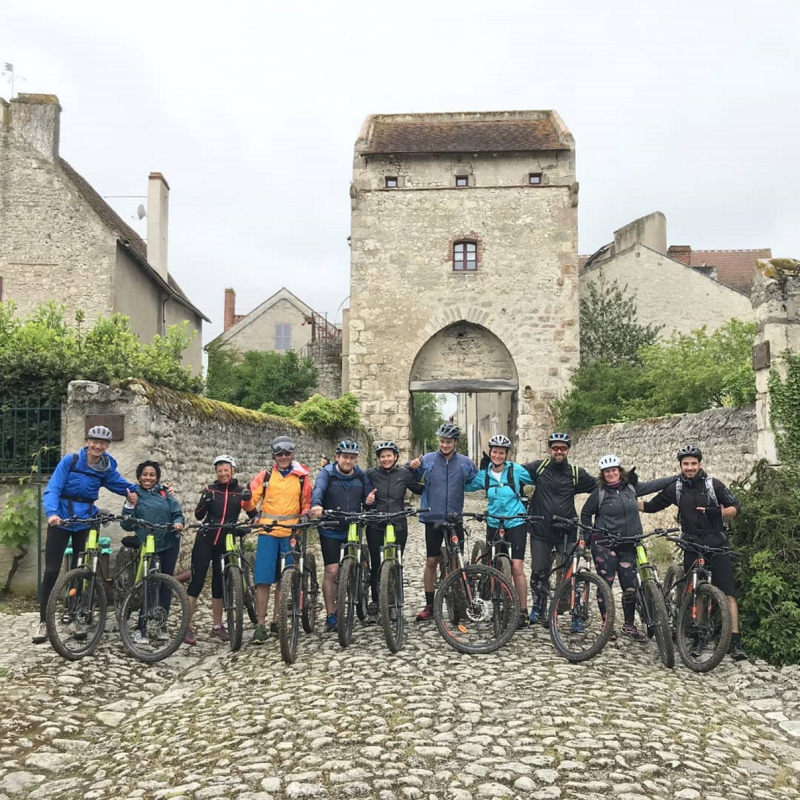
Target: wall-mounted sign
(761, 358)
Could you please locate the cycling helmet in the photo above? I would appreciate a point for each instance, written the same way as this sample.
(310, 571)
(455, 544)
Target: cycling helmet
(346, 446)
(100, 432)
(689, 450)
(563, 438)
(281, 444)
(225, 459)
(447, 430)
(498, 440)
(386, 446)
(606, 462)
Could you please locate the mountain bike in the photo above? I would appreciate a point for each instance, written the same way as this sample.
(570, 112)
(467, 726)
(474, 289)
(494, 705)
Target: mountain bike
(154, 613)
(648, 595)
(299, 590)
(577, 628)
(703, 629)
(475, 607)
(495, 552)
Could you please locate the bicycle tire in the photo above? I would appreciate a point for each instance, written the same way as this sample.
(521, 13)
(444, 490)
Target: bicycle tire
(235, 605)
(289, 614)
(503, 564)
(579, 633)
(479, 551)
(390, 605)
(489, 597)
(249, 590)
(362, 598)
(310, 594)
(715, 627)
(443, 565)
(159, 617)
(658, 619)
(556, 577)
(124, 577)
(672, 590)
(346, 600)
(78, 598)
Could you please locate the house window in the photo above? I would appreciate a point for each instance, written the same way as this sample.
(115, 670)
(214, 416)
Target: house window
(283, 336)
(391, 181)
(465, 256)
(535, 178)
(462, 180)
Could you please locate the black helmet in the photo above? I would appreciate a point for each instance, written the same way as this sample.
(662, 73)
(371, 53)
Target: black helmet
(447, 430)
(690, 451)
(282, 444)
(386, 446)
(346, 446)
(559, 437)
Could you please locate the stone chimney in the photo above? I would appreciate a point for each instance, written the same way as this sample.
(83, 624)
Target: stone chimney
(36, 120)
(158, 223)
(229, 317)
(651, 231)
(681, 252)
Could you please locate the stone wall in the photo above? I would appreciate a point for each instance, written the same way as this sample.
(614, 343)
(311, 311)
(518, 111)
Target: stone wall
(329, 373)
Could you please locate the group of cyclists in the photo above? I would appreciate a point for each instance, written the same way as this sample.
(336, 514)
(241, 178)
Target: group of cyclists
(282, 493)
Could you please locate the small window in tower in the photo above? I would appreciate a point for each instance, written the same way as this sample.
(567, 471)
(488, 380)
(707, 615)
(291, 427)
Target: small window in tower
(462, 180)
(465, 256)
(391, 182)
(535, 178)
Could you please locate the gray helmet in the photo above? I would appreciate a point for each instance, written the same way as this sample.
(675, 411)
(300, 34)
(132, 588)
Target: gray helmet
(498, 440)
(225, 459)
(346, 446)
(563, 438)
(447, 430)
(282, 444)
(386, 446)
(100, 432)
(690, 451)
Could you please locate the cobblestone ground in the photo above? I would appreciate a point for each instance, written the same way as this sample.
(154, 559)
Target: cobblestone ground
(426, 723)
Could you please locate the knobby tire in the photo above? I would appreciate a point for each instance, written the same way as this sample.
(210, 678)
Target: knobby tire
(88, 602)
(707, 595)
(559, 633)
(235, 605)
(289, 614)
(346, 600)
(659, 619)
(390, 600)
(310, 593)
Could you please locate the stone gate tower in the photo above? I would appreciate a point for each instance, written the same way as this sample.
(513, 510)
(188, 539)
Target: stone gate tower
(463, 265)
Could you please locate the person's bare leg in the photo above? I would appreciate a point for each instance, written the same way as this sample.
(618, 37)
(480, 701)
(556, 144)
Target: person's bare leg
(329, 588)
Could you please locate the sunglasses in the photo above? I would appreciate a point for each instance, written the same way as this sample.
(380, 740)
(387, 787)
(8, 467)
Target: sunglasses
(559, 449)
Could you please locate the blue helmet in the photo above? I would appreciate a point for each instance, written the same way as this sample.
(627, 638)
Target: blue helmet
(346, 446)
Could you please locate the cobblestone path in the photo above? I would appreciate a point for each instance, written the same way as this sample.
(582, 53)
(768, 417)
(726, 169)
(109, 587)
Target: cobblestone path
(426, 723)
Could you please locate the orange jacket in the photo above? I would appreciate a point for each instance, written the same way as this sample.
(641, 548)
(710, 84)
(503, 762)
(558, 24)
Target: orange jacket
(280, 498)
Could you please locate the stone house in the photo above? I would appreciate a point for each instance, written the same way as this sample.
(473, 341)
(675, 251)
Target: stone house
(59, 240)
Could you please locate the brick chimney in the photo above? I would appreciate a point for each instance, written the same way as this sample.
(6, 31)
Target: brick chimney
(36, 120)
(158, 223)
(229, 317)
(681, 252)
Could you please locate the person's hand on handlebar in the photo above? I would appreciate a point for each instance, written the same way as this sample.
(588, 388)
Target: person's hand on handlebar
(316, 512)
(54, 520)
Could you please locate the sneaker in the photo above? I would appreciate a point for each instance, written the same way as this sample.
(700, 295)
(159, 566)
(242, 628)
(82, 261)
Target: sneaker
(139, 637)
(273, 627)
(632, 632)
(577, 625)
(219, 632)
(331, 623)
(533, 617)
(372, 609)
(78, 630)
(613, 635)
(425, 614)
(259, 635)
(40, 633)
(163, 634)
(190, 638)
(737, 651)
(524, 621)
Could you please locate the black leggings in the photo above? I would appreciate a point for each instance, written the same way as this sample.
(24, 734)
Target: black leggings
(203, 553)
(54, 547)
(374, 542)
(619, 560)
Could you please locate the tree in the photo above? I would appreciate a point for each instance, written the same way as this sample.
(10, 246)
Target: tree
(253, 378)
(427, 417)
(610, 328)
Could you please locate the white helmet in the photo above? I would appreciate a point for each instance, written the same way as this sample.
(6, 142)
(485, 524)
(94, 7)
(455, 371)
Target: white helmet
(100, 432)
(606, 462)
(498, 440)
(225, 459)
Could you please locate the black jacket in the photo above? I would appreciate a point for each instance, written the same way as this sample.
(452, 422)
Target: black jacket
(555, 494)
(221, 503)
(391, 488)
(695, 524)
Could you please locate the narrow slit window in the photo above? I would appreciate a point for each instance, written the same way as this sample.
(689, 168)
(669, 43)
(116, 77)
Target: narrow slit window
(465, 256)
(391, 182)
(462, 180)
(535, 178)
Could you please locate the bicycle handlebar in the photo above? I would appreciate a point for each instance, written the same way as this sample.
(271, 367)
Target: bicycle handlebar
(696, 547)
(97, 519)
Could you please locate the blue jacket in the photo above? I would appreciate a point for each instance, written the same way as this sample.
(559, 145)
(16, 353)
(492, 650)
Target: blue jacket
(334, 491)
(443, 480)
(72, 491)
(159, 507)
(504, 499)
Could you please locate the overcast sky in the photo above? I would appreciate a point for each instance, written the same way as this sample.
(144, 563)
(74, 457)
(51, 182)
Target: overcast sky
(251, 110)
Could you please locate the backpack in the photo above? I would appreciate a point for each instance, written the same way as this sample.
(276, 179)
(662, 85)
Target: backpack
(543, 466)
(710, 493)
(510, 481)
(601, 493)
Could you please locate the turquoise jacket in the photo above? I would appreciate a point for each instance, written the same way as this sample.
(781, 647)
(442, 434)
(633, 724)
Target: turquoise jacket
(159, 507)
(504, 500)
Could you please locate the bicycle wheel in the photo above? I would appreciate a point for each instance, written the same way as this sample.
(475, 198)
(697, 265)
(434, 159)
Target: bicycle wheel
(289, 614)
(478, 553)
(76, 614)
(503, 564)
(673, 588)
(578, 632)
(657, 621)
(234, 605)
(249, 591)
(124, 577)
(703, 635)
(310, 594)
(490, 614)
(443, 567)
(557, 568)
(154, 617)
(390, 602)
(363, 585)
(346, 599)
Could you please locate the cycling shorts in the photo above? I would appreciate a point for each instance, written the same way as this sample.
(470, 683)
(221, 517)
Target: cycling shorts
(517, 537)
(721, 569)
(434, 537)
(331, 549)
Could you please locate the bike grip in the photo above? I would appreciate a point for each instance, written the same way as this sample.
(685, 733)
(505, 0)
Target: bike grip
(423, 511)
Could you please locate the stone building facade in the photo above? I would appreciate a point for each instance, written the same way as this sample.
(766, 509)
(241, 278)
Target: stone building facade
(463, 264)
(59, 240)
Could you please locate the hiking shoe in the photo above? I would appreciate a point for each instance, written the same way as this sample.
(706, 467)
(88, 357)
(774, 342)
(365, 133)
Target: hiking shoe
(40, 633)
(259, 635)
(632, 632)
(331, 623)
(163, 634)
(190, 638)
(372, 609)
(425, 614)
(533, 617)
(737, 651)
(524, 621)
(577, 626)
(139, 637)
(219, 632)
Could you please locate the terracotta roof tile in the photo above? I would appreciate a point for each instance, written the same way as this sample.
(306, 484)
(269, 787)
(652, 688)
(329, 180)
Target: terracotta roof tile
(735, 268)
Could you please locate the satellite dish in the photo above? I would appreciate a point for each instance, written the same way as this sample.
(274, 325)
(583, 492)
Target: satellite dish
(141, 213)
